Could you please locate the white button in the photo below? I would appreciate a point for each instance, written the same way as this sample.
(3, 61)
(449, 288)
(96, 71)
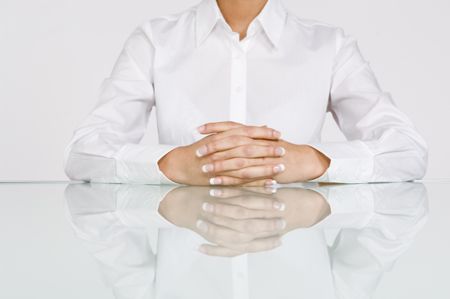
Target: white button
(239, 89)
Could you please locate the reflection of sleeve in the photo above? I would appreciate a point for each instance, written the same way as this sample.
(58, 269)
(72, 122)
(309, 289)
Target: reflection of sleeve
(383, 144)
(119, 224)
(369, 243)
(105, 147)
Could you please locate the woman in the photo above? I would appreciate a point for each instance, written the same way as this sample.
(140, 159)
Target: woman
(241, 89)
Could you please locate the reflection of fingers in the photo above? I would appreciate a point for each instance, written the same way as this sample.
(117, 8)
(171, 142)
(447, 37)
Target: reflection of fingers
(227, 192)
(216, 250)
(253, 246)
(253, 202)
(252, 226)
(240, 212)
(223, 235)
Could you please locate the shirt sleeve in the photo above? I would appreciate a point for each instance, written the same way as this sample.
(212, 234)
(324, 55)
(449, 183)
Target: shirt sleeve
(382, 143)
(105, 146)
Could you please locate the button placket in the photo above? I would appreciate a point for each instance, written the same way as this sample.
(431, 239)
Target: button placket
(238, 83)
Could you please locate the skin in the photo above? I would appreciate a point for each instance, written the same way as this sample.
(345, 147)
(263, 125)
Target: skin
(236, 154)
(241, 220)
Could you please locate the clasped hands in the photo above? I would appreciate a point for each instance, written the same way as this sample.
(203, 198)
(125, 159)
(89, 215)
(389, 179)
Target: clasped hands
(237, 154)
(241, 220)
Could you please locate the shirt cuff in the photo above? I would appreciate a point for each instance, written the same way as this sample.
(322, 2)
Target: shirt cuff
(350, 162)
(137, 163)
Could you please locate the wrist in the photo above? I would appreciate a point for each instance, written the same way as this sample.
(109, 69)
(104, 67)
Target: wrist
(320, 163)
(170, 166)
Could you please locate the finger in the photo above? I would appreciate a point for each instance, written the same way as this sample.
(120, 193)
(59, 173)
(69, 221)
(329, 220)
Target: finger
(249, 201)
(215, 127)
(221, 235)
(260, 188)
(236, 164)
(254, 132)
(253, 246)
(222, 143)
(255, 172)
(240, 212)
(216, 250)
(248, 150)
(249, 226)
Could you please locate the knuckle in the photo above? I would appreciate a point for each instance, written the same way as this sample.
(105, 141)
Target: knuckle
(247, 150)
(241, 163)
(218, 166)
(241, 213)
(247, 131)
(245, 174)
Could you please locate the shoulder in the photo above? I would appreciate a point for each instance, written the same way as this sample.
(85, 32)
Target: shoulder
(319, 31)
(159, 28)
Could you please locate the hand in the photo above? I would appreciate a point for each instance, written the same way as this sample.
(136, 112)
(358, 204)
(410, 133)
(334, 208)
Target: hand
(190, 164)
(278, 159)
(297, 207)
(241, 221)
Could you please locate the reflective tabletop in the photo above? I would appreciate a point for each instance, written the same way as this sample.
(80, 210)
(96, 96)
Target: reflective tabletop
(91, 240)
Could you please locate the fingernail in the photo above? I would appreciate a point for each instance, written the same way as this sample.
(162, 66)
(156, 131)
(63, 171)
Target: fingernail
(270, 183)
(279, 168)
(207, 207)
(271, 189)
(276, 133)
(278, 242)
(280, 206)
(201, 128)
(215, 181)
(281, 224)
(207, 168)
(201, 151)
(201, 248)
(201, 225)
(215, 192)
(280, 151)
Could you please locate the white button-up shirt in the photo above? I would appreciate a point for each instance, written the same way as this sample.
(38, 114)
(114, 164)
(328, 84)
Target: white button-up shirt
(287, 73)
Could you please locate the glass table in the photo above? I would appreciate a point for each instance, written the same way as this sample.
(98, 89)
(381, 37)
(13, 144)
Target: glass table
(89, 240)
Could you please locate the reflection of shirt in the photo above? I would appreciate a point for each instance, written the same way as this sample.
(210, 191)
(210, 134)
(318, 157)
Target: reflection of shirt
(144, 256)
(286, 74)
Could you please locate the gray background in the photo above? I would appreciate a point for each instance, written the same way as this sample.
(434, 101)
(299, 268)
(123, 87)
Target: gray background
(54, 55)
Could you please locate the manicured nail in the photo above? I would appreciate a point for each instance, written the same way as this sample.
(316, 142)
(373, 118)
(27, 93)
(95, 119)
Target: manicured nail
(280, 151)
(207, 207)
(271, 189)
(201, 128)
(201, 151)
(276, 134)
(270, 183)
(280, 206)
(215, 181)
(279, 168)
(201, 225)
(281, 224)
(207, 167)
(215, 192)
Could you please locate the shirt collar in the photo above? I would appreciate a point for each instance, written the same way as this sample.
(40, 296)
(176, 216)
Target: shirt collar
(272, 18)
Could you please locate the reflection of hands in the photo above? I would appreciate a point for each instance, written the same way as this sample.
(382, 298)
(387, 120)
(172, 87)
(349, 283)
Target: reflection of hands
(242, 220)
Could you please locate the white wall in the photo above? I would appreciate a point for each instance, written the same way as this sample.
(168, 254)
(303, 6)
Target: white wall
(55, 53)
